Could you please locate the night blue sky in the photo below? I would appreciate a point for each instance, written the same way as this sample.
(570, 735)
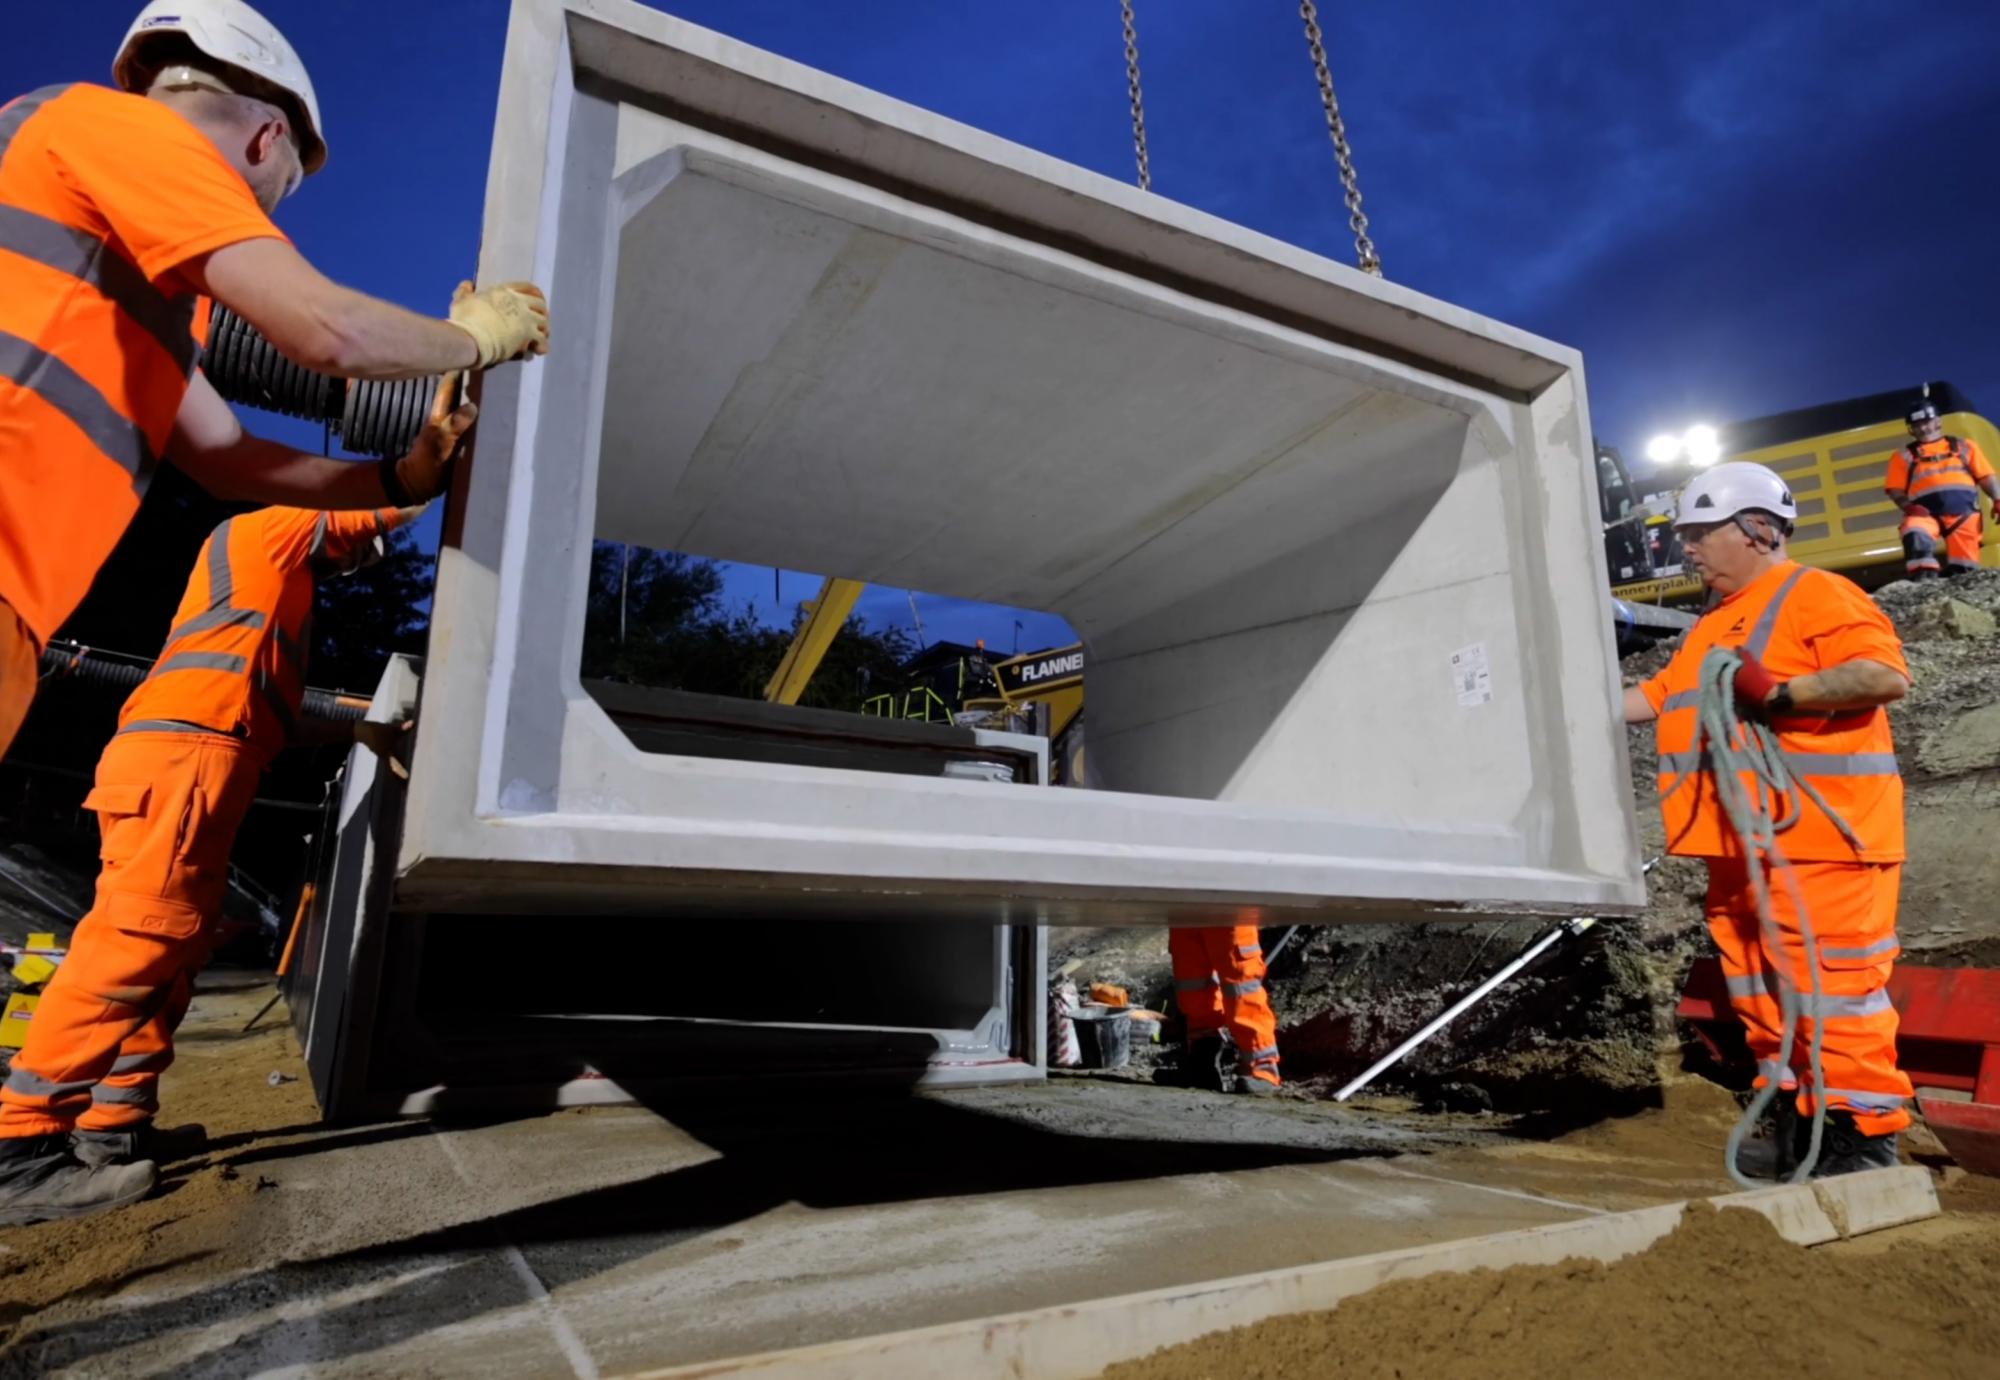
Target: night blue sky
(1730, 209)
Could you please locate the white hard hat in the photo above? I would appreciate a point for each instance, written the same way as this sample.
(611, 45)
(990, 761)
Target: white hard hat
(233, 34)
(1738, 487)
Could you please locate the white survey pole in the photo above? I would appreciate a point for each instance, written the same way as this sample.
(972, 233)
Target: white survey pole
(1464, 1003)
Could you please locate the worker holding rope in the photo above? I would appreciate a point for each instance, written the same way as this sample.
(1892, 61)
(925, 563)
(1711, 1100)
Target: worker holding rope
(1777, 769)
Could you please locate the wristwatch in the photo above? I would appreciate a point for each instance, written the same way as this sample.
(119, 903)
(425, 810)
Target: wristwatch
(1781, 699)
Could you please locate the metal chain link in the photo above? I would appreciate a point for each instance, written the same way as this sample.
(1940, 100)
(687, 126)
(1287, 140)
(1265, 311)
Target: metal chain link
(1336, 129)
(1138, 105)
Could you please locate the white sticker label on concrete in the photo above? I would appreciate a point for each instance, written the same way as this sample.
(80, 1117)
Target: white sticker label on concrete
(1471, 676)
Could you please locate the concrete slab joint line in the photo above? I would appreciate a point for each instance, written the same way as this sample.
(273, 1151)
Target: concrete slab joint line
(1078, 1341)
(581, 1364)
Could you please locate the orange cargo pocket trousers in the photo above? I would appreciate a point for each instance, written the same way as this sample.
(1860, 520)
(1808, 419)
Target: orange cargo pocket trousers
(168, 806)
(1219, 984)
(1852, 907)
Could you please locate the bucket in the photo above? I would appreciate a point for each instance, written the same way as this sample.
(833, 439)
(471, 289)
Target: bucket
(1103, 1036)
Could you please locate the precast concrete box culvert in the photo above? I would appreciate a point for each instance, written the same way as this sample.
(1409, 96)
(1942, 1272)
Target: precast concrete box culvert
(1332, 546)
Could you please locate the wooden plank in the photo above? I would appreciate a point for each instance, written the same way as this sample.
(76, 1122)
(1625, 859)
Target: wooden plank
(1077, 1341)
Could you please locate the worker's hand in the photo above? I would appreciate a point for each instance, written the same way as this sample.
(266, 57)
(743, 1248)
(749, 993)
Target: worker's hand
(1754, 685)
(390, 742)
(510, 321)
(424, 472)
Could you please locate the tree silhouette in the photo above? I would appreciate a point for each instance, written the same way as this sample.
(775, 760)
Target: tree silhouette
(677, 635)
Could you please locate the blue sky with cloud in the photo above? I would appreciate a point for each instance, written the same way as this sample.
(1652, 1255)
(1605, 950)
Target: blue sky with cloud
(1730, 209)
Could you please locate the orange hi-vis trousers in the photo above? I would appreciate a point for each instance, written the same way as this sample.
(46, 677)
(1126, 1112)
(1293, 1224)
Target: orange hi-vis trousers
(1219, 984)
(1852, 907)
(1960, 539)
(168, 805)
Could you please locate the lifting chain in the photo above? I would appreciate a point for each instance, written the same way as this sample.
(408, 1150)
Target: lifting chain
(1138, 105)
(1336, 129)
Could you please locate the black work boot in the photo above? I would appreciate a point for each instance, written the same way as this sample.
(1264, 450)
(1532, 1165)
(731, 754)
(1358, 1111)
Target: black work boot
(1203, 1063)
(1772, 1152)
(1248, 1083)
(142, 1142)
(40, 1181)
(1844, 1149)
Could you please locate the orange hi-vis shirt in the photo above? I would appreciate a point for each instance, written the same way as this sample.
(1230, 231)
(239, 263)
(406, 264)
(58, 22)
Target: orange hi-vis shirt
(104, 196)
(1943, 475)
(1796, 620)
(235, 659)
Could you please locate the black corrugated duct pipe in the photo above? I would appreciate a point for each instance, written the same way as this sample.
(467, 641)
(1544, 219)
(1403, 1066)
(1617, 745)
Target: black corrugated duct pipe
(371, 416)
(71, 661)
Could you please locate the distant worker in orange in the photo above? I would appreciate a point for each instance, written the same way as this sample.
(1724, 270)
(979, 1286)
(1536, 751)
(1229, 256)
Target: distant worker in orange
(77, 1108)
(1219, 987)
(1936, 480)
(1820, 661)
(117, 210)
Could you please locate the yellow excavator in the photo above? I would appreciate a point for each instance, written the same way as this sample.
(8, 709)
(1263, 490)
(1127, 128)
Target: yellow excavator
(1834, 456)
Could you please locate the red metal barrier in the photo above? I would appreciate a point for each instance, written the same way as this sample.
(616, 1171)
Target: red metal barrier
(1948, 1038)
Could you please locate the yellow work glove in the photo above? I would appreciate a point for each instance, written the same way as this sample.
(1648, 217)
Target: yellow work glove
(423, 474)
(510, 321)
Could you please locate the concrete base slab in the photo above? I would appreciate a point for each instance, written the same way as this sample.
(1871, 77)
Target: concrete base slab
(1078, 1341)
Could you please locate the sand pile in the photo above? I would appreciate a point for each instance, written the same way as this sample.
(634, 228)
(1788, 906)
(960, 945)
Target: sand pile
(1723, 1293)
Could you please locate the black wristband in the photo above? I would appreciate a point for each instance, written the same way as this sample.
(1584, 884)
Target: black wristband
(392, 484)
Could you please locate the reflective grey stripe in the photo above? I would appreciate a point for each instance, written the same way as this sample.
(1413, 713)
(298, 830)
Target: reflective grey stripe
(1751, 984)
(1843, 764)
(77, 398)
(142, 1063)
(171, 726)
(199, 661)
(1242, 989)
(1868, 1101)
(1799, 763)
(1879, 948)
(221, 580)
(81, 255)
(318, 547)
(28, 1083)
(1194, 984)
(1767, 622)
(147, 1096)
(1680, 699)
(16, 114)
(1267, 1052)
(1774, 1068)
(1832, 1008)
(217, 618)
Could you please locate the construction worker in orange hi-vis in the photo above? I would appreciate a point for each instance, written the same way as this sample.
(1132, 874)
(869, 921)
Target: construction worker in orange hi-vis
(1219, 987)
(1936, 480)
(77, 1107)
(1819, 662)
(118, 209)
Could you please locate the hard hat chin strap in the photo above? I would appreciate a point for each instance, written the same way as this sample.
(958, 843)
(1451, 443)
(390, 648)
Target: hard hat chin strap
(1762, 539)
